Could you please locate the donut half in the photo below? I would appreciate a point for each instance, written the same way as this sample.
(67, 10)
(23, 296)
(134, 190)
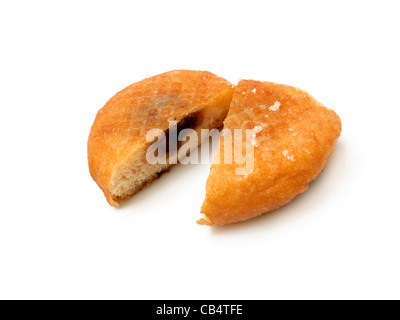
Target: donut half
(293, 136)
(118, 141)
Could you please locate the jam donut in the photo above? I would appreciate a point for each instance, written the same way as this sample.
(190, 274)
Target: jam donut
(118, 141)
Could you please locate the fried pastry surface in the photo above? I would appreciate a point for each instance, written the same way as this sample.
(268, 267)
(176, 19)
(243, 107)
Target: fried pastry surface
(294, 136)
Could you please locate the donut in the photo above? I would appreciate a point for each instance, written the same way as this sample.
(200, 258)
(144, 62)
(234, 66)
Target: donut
(293, 136)
(118, 141)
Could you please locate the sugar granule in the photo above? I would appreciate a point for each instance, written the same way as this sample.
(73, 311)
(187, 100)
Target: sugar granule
(275, 106)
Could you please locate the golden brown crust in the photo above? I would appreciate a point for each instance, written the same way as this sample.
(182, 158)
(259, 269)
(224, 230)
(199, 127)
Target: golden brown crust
(297, 137)
(121, 125)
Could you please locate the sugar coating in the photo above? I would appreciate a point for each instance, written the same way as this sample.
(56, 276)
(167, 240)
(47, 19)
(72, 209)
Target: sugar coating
(293, 133)
(257, 129)
(275, 106)
(286, 155)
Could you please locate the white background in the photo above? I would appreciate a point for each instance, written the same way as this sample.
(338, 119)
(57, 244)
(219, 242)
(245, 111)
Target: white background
(62, 60)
